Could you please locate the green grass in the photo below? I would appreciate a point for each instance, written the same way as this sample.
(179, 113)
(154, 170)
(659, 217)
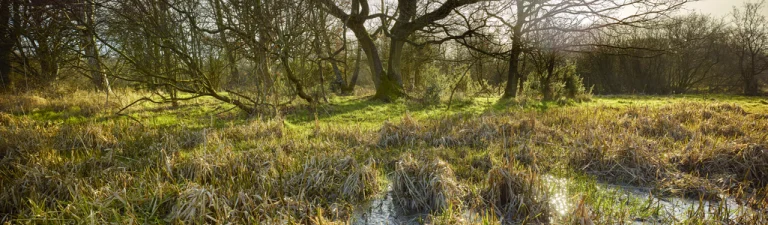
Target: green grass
(201, 162)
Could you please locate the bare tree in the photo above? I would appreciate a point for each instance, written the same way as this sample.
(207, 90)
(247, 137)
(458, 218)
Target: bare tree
(410, 17)
(751, 39)
(520, 18)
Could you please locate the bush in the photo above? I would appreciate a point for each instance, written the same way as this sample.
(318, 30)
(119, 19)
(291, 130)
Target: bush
(566, 84)
(432, 95)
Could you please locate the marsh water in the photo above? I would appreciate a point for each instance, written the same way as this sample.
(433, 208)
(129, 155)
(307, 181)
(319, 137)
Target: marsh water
(563, 199)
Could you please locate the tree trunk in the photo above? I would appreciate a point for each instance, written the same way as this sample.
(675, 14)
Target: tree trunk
(350, 86)
(49, 68)
(386, 88)
(371, 52)
(98, 77)
(523, 77)
(750, 86)
(395, 57)
(234, 75)
(547, 82)
(391, 86)
(512, 76)
(322, 78)
(6, 44)
(514, 55)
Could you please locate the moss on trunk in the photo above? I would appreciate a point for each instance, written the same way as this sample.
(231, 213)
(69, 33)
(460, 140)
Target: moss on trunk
(388, 90)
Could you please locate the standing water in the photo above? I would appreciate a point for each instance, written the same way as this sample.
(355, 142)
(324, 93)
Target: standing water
(563, 198)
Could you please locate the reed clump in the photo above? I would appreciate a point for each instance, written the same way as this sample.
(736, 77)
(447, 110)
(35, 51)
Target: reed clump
(517, 196)
(424, 185)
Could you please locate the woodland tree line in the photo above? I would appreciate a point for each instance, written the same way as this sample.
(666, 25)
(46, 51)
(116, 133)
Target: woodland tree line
(259, 54)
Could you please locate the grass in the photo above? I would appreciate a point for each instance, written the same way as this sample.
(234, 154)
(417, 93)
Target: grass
(68, 158)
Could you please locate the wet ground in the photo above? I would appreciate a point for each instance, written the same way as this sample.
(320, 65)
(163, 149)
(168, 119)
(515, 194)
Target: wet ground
(563, 199)
(382, 210)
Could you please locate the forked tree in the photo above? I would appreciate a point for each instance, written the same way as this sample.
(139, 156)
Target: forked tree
(409, 17)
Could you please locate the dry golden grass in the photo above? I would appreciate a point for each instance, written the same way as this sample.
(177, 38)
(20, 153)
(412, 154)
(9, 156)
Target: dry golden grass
(423, 185)
(517, 196)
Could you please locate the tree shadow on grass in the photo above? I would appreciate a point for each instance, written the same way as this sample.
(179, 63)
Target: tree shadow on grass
(359, 109)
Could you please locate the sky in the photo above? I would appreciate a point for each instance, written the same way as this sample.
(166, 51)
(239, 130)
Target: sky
(719, 8)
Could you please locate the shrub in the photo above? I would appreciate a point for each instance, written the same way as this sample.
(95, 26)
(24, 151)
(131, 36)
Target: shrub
(432, 95)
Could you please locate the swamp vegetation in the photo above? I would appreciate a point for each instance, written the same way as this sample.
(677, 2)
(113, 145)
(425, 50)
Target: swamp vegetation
(68, 158)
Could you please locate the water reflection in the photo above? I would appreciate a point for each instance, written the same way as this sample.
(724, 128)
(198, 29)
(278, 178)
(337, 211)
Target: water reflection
(558, 194)
(677, 209)
(382, 210)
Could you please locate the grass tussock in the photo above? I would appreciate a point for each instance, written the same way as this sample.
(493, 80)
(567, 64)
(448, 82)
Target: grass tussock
(408, 132)
(517, 196)
(335, 177)
(745, 163)
(255, 130)
(198, 204)
(71, 137)
(37, 187)
(424, 185)
(623, 158)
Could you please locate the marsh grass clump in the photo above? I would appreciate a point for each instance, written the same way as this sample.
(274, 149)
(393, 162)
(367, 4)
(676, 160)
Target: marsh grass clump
(728, 108)
(362, 182)
(183, 138)
(421, 185)
(662, 126)
(516, 195)
(351, 137)
(6, 119)
(689, 186)
(408, 132)
(334, 177)
(198, 204)
(255, 129)
(745, 162)
(623, 158)
(687, 112)
(482, 162)
(722, 126)
(754, 160)
(25, 137)
(38, 186)
(253, 169)
(92, 136)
